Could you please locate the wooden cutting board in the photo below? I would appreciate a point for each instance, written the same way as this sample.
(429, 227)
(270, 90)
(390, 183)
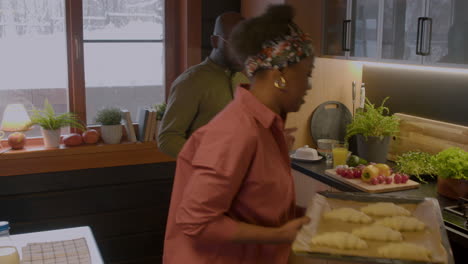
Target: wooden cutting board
(379, 188)
(426, 135)
(329, 121)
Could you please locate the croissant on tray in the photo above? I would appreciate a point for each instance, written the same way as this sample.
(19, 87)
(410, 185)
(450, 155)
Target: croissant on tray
(385, 209)
(348, 215)
(402, 223)
(340, 240)
(404, 250)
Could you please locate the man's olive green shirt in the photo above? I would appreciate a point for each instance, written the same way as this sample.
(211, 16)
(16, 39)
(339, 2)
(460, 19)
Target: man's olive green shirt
(196, 96)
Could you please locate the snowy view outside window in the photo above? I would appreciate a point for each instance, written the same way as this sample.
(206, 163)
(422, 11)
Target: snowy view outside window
(33, 58)
(127, 72)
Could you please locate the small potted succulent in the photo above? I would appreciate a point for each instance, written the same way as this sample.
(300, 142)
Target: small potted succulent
(373, 128)
(51, 123)
(160, 110)
(111, 130)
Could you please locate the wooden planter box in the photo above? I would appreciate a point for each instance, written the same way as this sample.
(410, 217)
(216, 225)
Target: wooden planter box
(452, 188)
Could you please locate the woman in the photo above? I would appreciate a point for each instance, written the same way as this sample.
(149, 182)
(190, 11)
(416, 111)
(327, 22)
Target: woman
(233, 194)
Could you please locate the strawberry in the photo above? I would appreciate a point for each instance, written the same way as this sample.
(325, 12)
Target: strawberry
(381, 179)
(340, 171)
(404, 178)
(357, 173)
(388, 180)
(397, 178)
(374, 181)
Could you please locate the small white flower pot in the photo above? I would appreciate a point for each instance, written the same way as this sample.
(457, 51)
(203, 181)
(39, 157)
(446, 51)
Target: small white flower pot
(111, 134)
(51, 138)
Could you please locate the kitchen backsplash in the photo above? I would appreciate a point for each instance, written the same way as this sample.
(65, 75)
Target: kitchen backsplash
(434, 93)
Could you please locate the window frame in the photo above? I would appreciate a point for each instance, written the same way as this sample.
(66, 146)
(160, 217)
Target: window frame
(182, 44)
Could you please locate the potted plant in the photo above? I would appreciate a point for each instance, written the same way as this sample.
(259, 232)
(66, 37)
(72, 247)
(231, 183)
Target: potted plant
(160, 110)
(111, 130)
(451, 166)
(419, 165)
(373, 128)
(51, 123)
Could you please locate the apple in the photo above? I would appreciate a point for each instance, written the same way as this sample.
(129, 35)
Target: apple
(71, 140)
(90, 136)
(17, 140)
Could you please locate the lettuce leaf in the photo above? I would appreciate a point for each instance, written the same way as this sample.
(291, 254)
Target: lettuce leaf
(452, 163)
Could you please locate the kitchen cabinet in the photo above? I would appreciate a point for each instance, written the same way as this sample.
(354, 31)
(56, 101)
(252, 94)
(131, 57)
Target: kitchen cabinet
(430, 32)
(335, 27)
(449, 36)
(400, 29)
(363, 36)
(351, 28)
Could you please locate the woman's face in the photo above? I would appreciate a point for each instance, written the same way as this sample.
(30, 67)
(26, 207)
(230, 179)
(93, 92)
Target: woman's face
(297, 83)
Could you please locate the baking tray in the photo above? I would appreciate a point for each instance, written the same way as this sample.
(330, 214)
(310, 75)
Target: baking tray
(366, 197)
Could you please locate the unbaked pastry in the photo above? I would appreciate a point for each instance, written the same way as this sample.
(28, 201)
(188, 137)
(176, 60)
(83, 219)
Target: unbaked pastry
(402, 223)
(404, 250)
(348, 215)
(378, 232)
(385, 209)
(340, 240)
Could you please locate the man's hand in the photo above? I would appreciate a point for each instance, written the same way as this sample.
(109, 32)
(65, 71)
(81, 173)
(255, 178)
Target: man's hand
(289, 137)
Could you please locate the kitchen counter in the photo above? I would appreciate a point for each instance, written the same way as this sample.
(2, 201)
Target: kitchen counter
(316, 170)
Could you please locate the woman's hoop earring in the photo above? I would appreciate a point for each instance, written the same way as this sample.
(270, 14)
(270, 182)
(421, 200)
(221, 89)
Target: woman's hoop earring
(280, 83)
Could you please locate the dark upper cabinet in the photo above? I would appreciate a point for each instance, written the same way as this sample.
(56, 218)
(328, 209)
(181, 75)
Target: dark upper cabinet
(400, 30)
(449, 36)
(335, 27)
(363, 38)
(430, 32)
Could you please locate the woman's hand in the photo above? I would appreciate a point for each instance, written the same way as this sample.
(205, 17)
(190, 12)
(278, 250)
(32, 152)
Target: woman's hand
(287, 232)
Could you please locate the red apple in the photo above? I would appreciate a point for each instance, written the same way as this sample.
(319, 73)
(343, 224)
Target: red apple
(71, 140)
(91, 136)
(17, 140)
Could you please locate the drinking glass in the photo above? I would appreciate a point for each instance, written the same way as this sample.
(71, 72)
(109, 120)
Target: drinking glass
(340, 154)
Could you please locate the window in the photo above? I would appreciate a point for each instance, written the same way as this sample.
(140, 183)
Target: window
(123, 54)
(33, 55)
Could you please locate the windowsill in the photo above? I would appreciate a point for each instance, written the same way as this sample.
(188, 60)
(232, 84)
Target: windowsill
(34, 158)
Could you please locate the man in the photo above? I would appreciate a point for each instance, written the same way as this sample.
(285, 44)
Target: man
(202, 91)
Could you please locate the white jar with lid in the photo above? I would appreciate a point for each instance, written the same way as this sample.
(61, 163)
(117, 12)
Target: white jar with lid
(8, 252)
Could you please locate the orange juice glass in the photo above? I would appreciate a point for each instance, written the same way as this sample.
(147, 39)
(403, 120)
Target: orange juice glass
(340, 154)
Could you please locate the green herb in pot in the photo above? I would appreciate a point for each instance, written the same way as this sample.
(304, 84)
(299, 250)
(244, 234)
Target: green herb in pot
(416, 164)
(452, 163)
(373, 122)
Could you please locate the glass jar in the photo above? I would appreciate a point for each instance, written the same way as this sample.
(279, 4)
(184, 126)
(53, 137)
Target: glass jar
(8, 252)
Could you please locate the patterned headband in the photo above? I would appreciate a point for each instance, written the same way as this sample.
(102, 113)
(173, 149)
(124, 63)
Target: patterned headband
(281, 52)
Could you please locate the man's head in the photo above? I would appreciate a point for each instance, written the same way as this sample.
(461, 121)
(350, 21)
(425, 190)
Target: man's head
(222, 53)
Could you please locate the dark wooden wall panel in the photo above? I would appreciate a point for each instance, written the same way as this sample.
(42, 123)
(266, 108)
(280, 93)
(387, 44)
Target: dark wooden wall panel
(126, 207)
